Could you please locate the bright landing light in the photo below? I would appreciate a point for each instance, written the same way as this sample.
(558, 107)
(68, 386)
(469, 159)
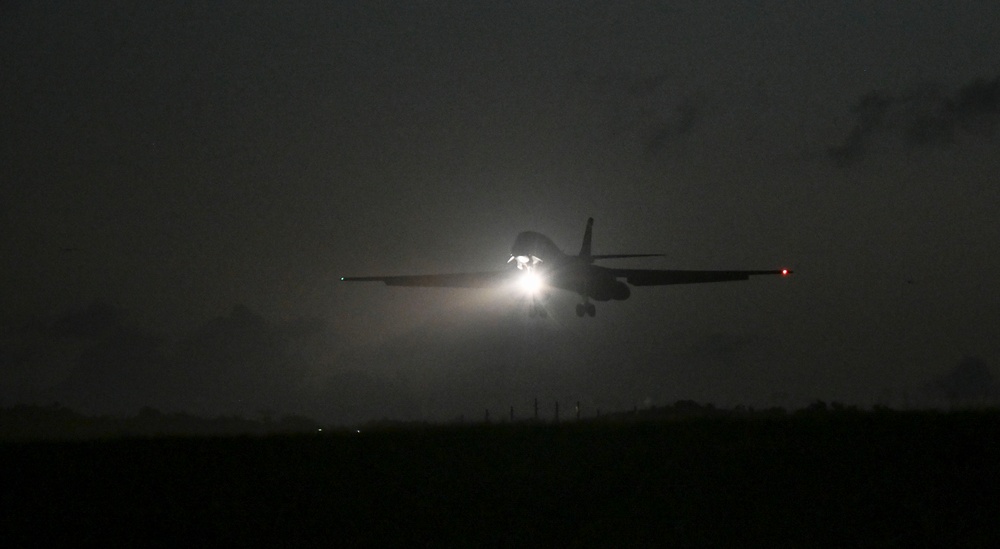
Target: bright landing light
(530, 282)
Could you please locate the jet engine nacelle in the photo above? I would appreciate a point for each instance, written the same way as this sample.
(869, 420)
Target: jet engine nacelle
(609, 288)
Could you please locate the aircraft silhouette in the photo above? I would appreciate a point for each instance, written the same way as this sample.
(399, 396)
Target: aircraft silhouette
(540, 265)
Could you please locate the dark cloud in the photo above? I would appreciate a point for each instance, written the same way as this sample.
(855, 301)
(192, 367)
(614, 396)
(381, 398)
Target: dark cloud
(119, 373)
(239, 362)
(977, 105)
(681, 122)
(657, 107)
(90, 359)
(96, 321)
(971, 381)
(922, 118)
(11, 8)
(96, 361)
(869, 112)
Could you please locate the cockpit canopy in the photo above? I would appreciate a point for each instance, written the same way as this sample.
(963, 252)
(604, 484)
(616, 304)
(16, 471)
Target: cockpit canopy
(530, 243)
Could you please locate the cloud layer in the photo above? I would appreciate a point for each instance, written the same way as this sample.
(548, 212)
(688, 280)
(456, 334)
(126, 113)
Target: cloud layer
(922, 118)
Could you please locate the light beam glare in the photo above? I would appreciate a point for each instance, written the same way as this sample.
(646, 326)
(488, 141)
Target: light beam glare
(530, 282)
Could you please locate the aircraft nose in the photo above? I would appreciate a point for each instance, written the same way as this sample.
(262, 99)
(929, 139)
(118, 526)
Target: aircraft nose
(525, 261)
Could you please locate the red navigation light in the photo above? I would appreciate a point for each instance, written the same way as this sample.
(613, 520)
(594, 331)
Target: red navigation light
(784, 272)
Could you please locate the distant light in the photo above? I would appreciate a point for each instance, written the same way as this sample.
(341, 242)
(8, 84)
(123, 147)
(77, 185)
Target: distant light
(342, 278)
(784, 272)
(320, 430)
(358, 431)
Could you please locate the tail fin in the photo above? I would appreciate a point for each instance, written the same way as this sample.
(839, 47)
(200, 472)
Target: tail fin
(585, 249)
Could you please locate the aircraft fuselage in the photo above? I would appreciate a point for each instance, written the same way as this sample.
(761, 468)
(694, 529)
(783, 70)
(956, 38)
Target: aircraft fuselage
(535, 251)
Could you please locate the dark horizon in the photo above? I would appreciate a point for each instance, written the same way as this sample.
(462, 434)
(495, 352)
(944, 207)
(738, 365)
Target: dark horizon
(55, 422)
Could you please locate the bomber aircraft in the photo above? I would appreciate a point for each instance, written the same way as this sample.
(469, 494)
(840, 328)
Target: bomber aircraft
(541, 265)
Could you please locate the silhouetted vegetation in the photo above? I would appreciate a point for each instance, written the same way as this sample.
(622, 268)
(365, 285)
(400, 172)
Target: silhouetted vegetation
(22, 422)
(59, 422)
(825, 475)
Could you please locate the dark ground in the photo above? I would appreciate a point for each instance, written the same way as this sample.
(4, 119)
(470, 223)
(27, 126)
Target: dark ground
(846, 479)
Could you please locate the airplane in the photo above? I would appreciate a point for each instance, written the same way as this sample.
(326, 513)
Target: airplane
(541, 264)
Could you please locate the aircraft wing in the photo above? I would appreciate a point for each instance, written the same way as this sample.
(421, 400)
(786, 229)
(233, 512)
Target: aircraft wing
(652, 277)
(454, 280)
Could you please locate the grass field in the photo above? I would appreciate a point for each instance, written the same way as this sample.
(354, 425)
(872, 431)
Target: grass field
(852, 479)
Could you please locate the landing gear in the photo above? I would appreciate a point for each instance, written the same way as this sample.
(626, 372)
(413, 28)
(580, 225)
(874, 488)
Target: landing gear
(587, 308)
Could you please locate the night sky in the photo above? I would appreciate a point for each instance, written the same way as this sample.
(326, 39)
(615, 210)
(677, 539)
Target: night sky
(182, 185)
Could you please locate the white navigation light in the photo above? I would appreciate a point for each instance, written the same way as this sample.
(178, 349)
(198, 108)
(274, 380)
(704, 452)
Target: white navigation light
(530, 282)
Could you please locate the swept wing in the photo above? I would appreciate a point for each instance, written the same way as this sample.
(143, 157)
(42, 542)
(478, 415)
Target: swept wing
(656, 277)
(485, 279)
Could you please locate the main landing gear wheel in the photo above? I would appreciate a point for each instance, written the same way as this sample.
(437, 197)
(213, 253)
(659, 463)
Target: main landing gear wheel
(589, 308)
